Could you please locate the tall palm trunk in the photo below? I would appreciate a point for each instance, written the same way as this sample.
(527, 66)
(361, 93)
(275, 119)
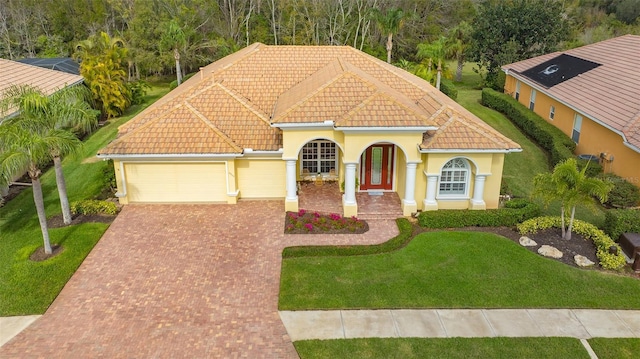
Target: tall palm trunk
(562, 219)
(389, 47)
(42, 216)
(176, 55)
(570, 228)
(459, 70)
(62, 190)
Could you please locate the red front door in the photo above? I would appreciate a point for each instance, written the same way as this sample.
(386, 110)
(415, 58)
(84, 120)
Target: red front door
(377, 168)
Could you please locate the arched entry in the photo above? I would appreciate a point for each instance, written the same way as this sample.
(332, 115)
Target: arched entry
(376, 167)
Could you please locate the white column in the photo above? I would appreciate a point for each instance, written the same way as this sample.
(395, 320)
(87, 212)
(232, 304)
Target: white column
(410, 185)
(350, 184)
(478, 191)
(291, 181)
(432, 188)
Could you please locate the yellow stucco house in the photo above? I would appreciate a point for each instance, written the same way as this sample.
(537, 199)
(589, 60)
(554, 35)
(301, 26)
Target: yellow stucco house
(591, 93)
(253, 124)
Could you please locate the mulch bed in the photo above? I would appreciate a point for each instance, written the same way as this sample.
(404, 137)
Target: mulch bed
(39, 255)
(362, 228)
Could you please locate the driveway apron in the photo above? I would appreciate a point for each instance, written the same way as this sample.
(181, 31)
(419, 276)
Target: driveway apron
(178, 281)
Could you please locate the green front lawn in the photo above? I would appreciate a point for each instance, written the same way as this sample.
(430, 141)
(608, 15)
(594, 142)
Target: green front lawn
(450, 270)
(28, 287)
(449, 348)
(615, 348)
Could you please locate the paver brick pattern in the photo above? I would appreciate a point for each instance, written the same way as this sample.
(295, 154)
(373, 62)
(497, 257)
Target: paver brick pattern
(178, 281)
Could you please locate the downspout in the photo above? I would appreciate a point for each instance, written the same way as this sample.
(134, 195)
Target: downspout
(123, 181)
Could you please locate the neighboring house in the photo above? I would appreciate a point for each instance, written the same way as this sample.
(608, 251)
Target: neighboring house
(591, 93)
(254, 123)
(64, 64)
(18, 74)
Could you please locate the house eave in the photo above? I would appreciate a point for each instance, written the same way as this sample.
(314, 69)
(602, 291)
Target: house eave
(440, 150)
(409, 129)
(170, 156)
(304, 126)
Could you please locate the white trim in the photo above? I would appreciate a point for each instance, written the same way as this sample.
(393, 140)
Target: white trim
(517, 76)
(161, 157)
(252, 152)
(305, 125)
(420, 129)
(436, 150)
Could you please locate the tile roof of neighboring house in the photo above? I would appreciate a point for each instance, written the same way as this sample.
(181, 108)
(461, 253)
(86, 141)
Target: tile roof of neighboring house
(237, 102)
(609, 93)
(48, 81)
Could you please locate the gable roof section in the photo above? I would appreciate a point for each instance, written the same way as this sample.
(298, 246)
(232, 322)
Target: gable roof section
(14, 73)
(238, 102)
(608, 94)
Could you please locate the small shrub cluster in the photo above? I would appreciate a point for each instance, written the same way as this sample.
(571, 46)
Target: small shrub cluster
(587, 230)
(618, 221)
(514, 212)
(449, 88)
(624, 194)
(314, 222)
(395, 243)
(549, 137)
(138, 89)
(93, 206)
(594, 168)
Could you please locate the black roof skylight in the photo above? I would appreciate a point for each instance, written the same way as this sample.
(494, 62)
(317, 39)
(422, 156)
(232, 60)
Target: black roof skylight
(63, 64)
(559, 69)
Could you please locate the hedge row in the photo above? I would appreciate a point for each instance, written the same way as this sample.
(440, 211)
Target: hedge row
(624, 194)
(618, 221)
(549, 137)
(587, 230)
(449, 88)
(395, 243)
(515, 211)
(93, 206)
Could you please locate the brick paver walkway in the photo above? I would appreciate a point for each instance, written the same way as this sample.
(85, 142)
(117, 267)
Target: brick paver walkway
(178, 281)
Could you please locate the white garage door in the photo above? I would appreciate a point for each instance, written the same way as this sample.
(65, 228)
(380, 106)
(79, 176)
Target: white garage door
(176, 182)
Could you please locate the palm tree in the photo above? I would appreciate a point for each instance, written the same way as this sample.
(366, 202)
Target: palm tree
(174, 38)
(390, 23)
(64, 110)
(26, 145)
(572, 187)
(458, 42)
(102, 63)
(433, 54)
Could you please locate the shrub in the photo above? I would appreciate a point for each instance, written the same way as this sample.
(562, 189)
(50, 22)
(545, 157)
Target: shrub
(93, 206)
(588, 231)
(618, 221)
(549, 137)
(624, 194)
(594, 168)
(138, 90)
(515, 211)
(395, 243)
(449, 88)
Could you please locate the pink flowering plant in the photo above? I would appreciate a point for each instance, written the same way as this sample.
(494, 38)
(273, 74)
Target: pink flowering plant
(314, 222)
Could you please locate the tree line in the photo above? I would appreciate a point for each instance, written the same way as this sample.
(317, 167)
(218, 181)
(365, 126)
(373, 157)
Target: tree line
(202, 31)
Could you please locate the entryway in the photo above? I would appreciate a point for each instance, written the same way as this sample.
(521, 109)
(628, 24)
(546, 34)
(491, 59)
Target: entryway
(376, 168)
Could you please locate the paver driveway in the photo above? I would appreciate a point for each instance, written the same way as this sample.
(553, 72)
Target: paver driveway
(178, 281)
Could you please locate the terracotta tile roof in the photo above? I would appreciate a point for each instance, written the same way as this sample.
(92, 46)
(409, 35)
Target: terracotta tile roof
(610, 93)
(235, 102)
(48, 81)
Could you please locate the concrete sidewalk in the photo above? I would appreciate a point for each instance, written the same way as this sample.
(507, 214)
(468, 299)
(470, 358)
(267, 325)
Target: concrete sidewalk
(446, 323)
(11, 326)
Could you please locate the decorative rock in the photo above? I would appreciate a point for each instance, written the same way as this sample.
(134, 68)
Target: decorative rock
(527, 242)
(549, 251)
(582, 261)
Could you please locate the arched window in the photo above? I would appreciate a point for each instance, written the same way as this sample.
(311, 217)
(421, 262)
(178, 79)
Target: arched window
(319, 156)
(454, 179)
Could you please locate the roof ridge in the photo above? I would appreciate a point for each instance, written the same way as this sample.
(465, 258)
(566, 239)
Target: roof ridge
(213, 127)
(144, 125)
(309, 95)
(247, 104)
